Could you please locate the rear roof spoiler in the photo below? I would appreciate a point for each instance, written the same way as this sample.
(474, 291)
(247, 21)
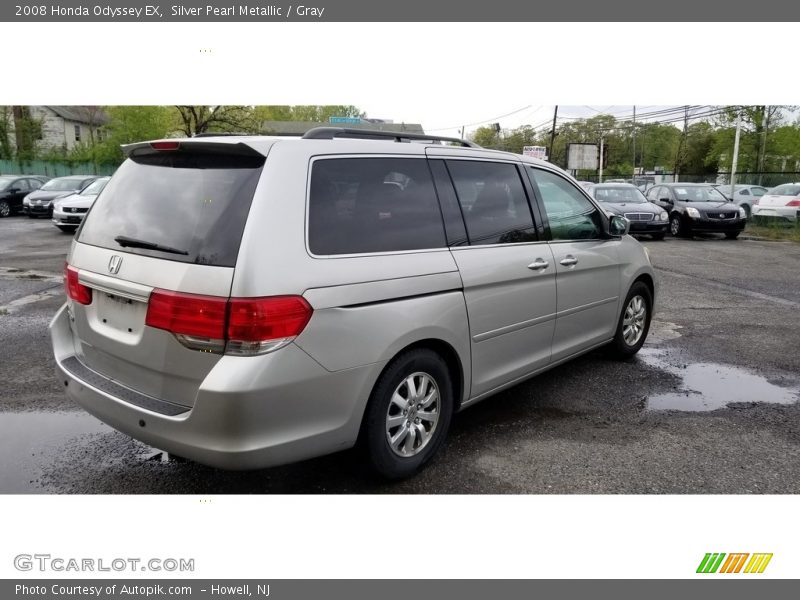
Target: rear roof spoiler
(220, 147)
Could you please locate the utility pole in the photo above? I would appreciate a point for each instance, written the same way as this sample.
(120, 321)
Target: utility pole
(679, 155)
(553, 134)
(634, 145)
(600, 174)
(762, 149)
(735, 152)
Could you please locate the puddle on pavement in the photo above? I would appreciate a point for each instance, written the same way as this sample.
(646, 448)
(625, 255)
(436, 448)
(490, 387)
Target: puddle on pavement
(29, 441)
(709, 386)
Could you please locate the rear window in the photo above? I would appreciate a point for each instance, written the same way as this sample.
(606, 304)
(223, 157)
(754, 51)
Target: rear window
(787, 189)
(365, 205)
(194, 203)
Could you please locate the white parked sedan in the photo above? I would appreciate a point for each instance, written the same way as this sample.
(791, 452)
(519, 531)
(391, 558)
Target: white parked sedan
(779, 203)
(68, 212)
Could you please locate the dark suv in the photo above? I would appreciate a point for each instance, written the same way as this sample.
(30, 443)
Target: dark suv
(698, 208)
(13, 188)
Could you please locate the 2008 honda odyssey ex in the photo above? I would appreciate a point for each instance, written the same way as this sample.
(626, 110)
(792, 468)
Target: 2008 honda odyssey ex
(251, 301)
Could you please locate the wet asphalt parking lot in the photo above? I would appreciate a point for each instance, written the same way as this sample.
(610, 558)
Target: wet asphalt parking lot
(710, 405)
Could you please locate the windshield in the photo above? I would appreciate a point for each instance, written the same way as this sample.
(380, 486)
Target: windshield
(697, 193)
(183, 206)
(95, 187)
(62, 185)
(619, 195)
(787, 189)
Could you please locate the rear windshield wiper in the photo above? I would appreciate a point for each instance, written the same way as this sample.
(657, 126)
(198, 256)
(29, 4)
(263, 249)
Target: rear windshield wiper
(126, 242)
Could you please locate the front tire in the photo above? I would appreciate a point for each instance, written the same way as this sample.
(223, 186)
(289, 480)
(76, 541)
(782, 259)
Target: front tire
(408, 414)
(5, 209)
(676, 226)
(732, 235)
(634, 321)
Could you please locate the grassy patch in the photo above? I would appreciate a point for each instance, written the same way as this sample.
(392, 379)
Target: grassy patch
(775, 231)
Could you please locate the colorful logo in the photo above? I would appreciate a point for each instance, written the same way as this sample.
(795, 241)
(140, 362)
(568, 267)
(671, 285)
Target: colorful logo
(733, 563)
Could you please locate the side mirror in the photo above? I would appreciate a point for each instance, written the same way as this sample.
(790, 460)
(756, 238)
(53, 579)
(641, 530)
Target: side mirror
(618, 226)
(12, 190)
(667, 200)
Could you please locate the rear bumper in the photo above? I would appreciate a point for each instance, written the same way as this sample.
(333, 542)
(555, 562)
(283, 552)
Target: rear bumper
(776, 213)
(249, 412)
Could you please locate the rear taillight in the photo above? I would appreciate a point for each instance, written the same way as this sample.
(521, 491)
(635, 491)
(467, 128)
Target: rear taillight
(241, 326)
(795, 202)
(76, 290)
(259, 325)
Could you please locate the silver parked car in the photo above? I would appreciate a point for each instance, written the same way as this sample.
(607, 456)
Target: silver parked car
(744, 195)
(68, 211)
(252, 301)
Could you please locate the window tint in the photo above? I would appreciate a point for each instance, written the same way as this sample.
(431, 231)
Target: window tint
(34, 184)
(652, 195)
(759, 191)
(191, 201)
(571, 215)
(493, 202)
(744, 192)
(22, 185)
(361, 205)
(451, 211)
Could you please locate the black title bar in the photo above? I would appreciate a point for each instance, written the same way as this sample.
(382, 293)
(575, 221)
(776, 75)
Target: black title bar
(403, 11)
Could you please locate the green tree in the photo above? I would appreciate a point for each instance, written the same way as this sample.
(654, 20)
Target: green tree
(27, 131)
(317, 113)
(698, 157)
(220, 119)
(6, 123)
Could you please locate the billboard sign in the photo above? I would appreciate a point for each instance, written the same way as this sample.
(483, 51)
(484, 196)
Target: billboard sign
(582, 157)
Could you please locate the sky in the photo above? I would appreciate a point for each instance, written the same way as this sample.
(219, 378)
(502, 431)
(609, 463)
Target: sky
(441, 75)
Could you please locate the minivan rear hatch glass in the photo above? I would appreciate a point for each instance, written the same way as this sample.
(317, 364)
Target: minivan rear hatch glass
(193, 202)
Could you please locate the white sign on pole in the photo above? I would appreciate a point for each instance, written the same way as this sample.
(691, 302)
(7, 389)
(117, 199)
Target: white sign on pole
(539, 152)
(582, 157)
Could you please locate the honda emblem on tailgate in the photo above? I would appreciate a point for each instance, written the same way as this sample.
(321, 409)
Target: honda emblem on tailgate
(114, 264)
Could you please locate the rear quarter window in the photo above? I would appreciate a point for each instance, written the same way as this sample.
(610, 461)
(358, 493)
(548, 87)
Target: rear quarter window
(368, 205)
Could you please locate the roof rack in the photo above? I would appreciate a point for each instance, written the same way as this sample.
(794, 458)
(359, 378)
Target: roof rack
(329, 133)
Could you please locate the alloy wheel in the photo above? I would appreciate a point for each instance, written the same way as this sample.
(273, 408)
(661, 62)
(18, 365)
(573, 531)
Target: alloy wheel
(413, 414)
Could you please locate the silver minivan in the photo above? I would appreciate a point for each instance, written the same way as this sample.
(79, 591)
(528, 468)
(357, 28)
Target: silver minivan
(252, 301)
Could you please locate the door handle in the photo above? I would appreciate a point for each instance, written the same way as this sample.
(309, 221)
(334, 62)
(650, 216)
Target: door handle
(538, 265)
(569, 261)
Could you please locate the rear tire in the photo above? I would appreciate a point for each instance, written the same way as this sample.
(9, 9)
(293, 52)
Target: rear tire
(634, 321)
(408, 414)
